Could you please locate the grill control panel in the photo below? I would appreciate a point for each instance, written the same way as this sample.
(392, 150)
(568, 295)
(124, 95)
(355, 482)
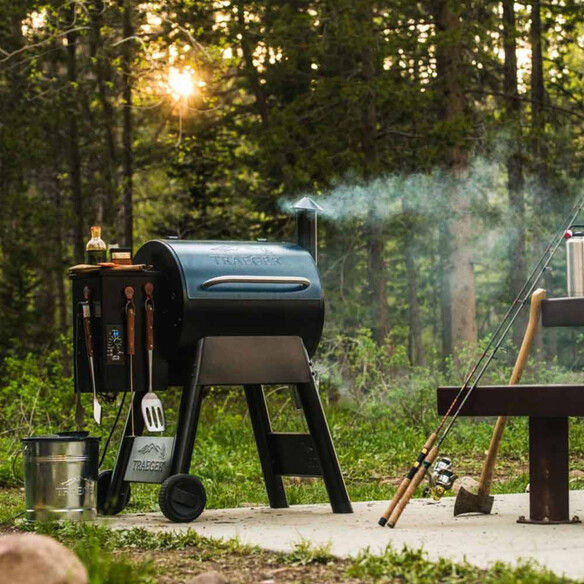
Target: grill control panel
(109, 334)
(115, 345)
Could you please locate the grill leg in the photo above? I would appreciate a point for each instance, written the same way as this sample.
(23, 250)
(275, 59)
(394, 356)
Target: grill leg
(117, 484)
(323, 443)
(188, 420)
(260, 421)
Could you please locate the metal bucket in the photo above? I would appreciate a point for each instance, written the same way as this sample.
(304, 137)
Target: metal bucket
(60, 476)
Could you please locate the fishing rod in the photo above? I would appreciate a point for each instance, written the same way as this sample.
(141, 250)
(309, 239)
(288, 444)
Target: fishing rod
(429, 451)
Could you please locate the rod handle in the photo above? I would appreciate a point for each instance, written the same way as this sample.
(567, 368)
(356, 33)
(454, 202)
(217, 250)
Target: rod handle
(399, 509)
(407, 479)
(398, 495)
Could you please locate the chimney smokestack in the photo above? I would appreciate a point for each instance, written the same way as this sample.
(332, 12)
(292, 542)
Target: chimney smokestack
(306, 225)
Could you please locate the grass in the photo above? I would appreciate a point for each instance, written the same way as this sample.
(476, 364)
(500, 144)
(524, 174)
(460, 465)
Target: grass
(374, 446)
(412, 566)
(137, 556)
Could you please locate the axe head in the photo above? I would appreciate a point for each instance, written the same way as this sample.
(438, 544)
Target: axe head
(467, 502)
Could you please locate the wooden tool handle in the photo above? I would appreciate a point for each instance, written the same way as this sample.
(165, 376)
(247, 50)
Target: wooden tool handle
(149, 291)
(149, 326)
(488, 471)
(131, 330)
(407, 479)
(412, 487)
(534, 312)
(149, 306)
(130, 321)
(87, 329)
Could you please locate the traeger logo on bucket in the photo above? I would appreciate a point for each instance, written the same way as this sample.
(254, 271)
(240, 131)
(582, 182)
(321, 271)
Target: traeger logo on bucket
(75, 486)
(150, 460)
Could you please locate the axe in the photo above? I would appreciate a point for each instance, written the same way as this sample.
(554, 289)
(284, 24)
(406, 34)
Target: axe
(482, 502)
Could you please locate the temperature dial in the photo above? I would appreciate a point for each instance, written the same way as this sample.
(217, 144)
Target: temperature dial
(115, 345)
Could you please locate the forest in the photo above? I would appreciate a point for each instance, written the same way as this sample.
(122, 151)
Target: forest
(444, 141)
(442, 138)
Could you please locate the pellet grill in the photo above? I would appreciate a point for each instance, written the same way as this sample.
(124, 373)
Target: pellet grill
(226, 313)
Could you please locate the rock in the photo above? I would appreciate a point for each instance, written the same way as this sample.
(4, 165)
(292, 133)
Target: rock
(467, 482)
(208, 578)
(27, 558)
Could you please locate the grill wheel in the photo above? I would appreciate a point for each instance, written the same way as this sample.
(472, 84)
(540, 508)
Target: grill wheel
(103, 483)
(182, 498)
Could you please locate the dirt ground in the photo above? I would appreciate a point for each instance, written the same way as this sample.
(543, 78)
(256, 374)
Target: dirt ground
(178, 567)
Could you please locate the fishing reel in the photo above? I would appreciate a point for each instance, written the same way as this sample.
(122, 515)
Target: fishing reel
(440, 479)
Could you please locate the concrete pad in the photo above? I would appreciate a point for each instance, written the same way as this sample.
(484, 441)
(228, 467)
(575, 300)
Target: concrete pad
(480, 539)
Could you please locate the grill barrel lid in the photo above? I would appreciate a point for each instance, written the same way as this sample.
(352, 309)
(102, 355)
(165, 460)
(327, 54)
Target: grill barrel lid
(232, 269)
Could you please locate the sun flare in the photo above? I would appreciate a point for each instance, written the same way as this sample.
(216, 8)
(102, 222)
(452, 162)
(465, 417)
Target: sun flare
(181, 83)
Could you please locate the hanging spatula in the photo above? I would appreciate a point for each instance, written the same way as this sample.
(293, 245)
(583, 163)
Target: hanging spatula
(152, 408)
(89, 347)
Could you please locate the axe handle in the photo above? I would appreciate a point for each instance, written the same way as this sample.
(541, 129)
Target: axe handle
(489, 467)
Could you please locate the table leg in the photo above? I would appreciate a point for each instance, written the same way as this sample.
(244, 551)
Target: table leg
(548, 472)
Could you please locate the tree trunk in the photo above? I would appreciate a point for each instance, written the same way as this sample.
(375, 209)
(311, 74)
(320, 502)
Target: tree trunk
(542, 199)
(251, 73)
(127, 153)
(515, 178)
(103, 76)
(458, 292)
(79, 227)
(415, 346)
(374, 230)
(445, 296)
(537, 94)
(54, 136)
(376, 278)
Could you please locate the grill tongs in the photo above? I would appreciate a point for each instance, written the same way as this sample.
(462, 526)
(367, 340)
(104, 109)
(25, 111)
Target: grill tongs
(86, 307)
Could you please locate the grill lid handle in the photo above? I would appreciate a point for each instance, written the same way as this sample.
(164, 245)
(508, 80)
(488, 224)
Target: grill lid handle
(287, 280)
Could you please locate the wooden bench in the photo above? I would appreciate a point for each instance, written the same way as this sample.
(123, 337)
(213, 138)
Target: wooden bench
(548, 408)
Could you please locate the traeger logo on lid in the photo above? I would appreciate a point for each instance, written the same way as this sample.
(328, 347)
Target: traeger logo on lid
(226, 256)
(255, 260)
(225, 248)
